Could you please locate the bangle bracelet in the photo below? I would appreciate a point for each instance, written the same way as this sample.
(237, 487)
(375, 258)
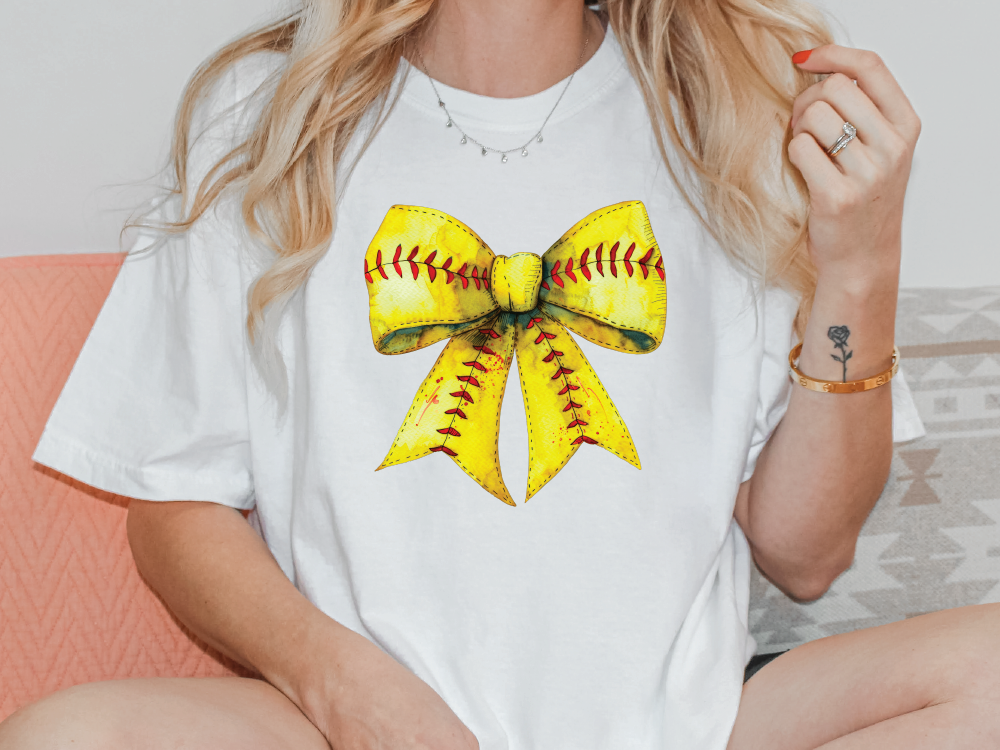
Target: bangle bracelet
(833, 386)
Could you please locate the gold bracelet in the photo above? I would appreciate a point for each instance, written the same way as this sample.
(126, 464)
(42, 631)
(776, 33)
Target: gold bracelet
(833, 386)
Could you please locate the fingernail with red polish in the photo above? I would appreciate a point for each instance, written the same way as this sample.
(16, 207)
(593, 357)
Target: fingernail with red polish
(800, 57)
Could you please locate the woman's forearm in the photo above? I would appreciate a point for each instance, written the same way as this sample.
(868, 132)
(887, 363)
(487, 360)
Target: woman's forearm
(826, 464)
(218, 577)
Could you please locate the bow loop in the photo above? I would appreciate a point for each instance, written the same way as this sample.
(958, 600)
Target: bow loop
(428, 279)
(604, 280)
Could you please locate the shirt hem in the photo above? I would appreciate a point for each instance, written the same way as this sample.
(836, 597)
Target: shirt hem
(108, 473)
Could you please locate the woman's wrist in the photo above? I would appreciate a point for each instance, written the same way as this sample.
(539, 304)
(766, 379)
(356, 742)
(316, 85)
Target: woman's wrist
(306, 671)
(862, 275)
(850, 334)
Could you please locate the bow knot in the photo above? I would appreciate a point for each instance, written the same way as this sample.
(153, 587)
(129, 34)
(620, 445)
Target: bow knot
(603, 280)
(516, 281)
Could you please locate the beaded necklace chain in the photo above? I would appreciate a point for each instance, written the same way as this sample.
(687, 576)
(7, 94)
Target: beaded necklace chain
(484, 149)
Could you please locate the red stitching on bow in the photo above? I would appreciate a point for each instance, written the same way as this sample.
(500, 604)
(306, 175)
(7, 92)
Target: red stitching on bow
(562, 372)
(478, 276)
(554, 274)
(431, 270)
(584, 262)
(644, 260)
(569, 270)
(463, 395)
(414, 268)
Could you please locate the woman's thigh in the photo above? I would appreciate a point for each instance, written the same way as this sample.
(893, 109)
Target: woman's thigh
(214, 713)
(931, 680)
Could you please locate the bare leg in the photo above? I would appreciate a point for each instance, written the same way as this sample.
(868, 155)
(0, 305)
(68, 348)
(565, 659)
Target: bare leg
(220, 713)
(932, 681)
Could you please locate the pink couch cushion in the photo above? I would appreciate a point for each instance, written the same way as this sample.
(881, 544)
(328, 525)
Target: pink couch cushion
(73, 608)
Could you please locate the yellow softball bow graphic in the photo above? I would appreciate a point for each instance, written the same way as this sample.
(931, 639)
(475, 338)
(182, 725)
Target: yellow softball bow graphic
(431, 278)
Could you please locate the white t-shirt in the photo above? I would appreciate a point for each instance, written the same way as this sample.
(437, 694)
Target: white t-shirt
(610, 611)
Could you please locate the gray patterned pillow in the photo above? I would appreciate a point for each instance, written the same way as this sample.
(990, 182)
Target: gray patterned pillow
(933, 539)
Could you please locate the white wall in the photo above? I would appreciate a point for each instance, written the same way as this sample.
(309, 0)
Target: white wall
(87, 97)
(942, 55)
(88, 90)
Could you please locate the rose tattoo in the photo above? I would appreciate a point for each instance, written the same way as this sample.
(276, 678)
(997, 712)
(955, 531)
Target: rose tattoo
(839, 335)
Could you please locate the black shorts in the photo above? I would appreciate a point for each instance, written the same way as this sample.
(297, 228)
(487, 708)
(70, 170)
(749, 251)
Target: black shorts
(757, 662)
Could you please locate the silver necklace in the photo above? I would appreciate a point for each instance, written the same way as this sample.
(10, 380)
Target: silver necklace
(484, 149)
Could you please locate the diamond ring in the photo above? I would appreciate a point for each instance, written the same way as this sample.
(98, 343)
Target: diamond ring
(850, 133)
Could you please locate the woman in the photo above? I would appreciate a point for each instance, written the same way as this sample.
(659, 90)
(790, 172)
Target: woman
(397, 170)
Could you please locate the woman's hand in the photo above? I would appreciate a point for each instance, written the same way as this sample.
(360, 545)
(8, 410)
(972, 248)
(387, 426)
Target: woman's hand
(857, 196)
(365, 700)
(220, 579)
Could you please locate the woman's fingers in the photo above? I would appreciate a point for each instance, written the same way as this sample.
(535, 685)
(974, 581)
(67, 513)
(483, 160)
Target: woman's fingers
(873, 78)
(831, 180)
(853, 105)
(826, 125)
(855, 197)
(820, 173)
(887, 126)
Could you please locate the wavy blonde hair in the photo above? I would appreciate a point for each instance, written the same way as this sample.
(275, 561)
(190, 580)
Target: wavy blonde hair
(715, 74)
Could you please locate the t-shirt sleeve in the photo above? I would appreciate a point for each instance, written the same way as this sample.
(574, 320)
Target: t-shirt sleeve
(779, 309)
(156, 404)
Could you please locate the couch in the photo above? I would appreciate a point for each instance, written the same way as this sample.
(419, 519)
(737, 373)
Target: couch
(72, 605)
(74, 609)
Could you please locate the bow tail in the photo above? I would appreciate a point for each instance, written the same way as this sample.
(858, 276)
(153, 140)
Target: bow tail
(457, 408)
(565, 402)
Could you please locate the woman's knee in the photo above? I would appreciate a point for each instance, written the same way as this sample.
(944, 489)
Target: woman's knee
(72, 718)
(214, 713)
(967, 652)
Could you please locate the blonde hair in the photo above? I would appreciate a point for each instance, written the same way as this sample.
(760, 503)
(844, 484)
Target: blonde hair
(716, 76)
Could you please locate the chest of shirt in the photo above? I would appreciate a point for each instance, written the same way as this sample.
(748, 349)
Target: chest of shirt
(524, 206)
